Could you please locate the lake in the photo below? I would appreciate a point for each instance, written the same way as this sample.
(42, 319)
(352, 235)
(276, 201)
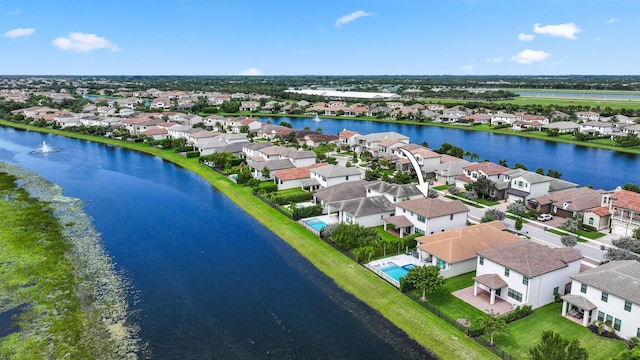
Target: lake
(208, 281)
(602, 169)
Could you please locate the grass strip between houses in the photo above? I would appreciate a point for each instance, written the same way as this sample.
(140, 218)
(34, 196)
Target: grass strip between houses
(428, 330)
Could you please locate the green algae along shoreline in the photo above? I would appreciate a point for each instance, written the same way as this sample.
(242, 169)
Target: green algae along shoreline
(433, 333)
(71, 300)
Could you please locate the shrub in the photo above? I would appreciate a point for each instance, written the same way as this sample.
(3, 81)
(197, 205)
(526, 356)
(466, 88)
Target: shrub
(453, 190)
(301, 213)
(268, 187)
(192, 154)
(518, 313)
(183, 148)
(292, 198)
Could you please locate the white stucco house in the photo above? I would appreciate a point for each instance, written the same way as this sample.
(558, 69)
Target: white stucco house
(608, 293)
(525, 272)
(427, 216)
(367, 211)
(454, 251)
(330, 175)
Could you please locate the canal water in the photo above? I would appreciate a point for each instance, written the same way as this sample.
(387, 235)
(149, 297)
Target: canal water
(208, 281)
(602, 169)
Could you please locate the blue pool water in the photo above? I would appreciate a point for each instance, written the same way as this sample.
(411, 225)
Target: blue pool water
(316, 223)
(394, 270)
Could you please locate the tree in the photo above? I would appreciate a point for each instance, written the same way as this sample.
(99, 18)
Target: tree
(520, 166)
(570, 224)
(552, 346)
(554, 173)
(518, 225)
(484, 186)
(503, 162)
(568, 240)
(540, 171)
(632, 187)
(426, 278)
(492, 324)
(492, 214)
(449, 149)
(266, 172)
(517, 207)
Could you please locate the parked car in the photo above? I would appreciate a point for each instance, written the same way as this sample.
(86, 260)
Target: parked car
(545, 217)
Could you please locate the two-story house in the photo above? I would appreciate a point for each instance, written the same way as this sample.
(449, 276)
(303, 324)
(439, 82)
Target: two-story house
(525, 272)
(609, 293)
(331, 175)
(624, 207)
(427, 216)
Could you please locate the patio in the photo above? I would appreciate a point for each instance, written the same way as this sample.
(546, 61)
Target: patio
(482, 301)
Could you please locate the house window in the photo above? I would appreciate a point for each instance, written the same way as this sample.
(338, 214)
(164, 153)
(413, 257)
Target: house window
(583, 288)
(525, 280)
(600, 316)
(442, 264)
(616, 324)
(638, 333)
(627, 305)
(421, 218)
(515, 295)
(506, 272)
(609, 319)
(591, 221)
(604, 297)
(451, 217)
(556, 290)
(481, 260)
(368, 191)
(419, 231)
(346, 177)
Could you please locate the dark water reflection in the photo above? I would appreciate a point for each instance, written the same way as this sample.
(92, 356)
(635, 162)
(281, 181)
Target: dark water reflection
(210, 281)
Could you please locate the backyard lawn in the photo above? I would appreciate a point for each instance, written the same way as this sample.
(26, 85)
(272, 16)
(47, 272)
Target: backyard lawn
(525, 333)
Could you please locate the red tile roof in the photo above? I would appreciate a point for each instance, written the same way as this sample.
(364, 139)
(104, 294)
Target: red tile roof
(488, 168)
(626, 199)
(297, 173)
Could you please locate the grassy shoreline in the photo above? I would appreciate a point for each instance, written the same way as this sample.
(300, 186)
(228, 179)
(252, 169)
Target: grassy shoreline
(427, 329)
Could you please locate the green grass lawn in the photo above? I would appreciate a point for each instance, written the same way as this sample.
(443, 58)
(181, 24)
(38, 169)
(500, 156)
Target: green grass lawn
(441, 187)
(444, 300)
(525, 333)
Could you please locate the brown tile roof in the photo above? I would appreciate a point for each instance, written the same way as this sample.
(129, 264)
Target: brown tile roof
(578, 199)
(530, 258)
(156, 131)
(432, 208)
(626, 199)
(487, 168)
(398, 221)
(297, 173)
(492, 281)
(462, 244)
(600, 211)
(347, 134)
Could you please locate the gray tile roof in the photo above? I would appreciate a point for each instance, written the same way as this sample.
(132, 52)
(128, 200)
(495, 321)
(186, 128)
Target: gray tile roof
(331, 171)
(579, 301)
(272, 165)
(343, 191)
(620, 278)
(396, 190)
(530, 258)
(365, 206)
(492, 281)
(432, 208)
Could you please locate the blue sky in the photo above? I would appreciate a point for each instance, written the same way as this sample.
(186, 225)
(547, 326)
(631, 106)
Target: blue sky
(331, 37)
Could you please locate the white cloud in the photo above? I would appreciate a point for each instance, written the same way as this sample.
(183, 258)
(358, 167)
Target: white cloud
(495, 59)
(525, 37)
(81, 42)
(13, 12)
(529, 56)
(467, 68)
(349, 18)
(612, 20)
(251, 72)
(19, 32)
(568, 30)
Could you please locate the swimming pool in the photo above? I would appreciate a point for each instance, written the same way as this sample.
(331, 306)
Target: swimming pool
(315, 223)
(393, 270)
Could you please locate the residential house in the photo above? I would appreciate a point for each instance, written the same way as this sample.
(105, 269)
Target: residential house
(331, 175)
(295, 177)
(394, 192)
(196, 137)
(346, 190)
(501, 118)
(454, 251)
(249, 106)
(314, 140)
(524, 185)
(588, 116)
(477, 119)
(368, 211)
(568, 203)
(156, 134)
(252, 150)
(489, 170)
(609, 293)
(525, 272)
(624, 207)
(447, 171)
(264, 170)
(371, 142)
(564, 127)
(427, 216)
(598, 128)
(347, 139)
